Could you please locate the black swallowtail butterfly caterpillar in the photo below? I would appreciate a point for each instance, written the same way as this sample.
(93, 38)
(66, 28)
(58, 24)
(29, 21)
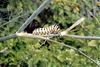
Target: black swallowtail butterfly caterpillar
(53, 29)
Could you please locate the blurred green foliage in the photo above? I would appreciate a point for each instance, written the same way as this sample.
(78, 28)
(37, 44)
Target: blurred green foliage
(22, 52)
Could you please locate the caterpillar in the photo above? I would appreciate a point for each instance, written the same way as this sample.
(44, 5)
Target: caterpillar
(53, 29)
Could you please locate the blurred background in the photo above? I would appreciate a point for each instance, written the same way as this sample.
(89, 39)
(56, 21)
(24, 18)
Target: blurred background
(21, 52)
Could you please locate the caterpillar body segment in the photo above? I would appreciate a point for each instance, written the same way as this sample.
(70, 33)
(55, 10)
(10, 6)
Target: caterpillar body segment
(53, 29)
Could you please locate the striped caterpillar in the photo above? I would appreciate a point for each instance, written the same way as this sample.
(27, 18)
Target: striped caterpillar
(53, 29)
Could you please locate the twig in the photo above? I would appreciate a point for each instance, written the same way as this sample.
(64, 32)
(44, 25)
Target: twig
(42, 44)
(14, 19)
(3, 50)
(31, 36)
(48, 36)
(43, 38)
(33, 15)
(74, 25)
(83, 37)
(8, 37)
(27, 21)
(75, 50)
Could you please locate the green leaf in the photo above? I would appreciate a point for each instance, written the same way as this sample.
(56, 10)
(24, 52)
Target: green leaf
(55, 17)
(92, 43)
(61, 11)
